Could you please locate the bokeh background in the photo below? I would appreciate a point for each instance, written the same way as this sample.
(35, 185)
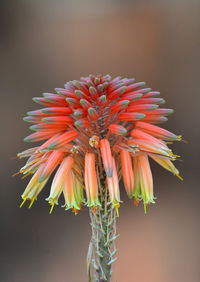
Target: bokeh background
(43, 44)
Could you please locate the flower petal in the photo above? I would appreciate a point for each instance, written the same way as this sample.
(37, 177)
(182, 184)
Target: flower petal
(63, 139)
(146, 180)
(113, 187)
(59, 179)
(157, 131)
(51, 164)
(166, 163)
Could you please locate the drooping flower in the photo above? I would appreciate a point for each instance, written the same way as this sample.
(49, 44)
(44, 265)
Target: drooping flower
(96, 130)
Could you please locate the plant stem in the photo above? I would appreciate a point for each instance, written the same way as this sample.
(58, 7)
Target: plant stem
(102, 245)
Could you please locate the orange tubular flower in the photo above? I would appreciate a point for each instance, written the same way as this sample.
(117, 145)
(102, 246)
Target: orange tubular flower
(113, 187)
(59, 180)
(91, 186)
(127, 169)
(107, 157)
(96, 130)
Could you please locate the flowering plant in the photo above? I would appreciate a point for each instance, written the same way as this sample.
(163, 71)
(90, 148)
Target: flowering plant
(96, 131)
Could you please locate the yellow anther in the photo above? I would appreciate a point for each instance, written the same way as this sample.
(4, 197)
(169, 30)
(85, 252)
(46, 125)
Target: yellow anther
(117, 209)
(52, 206)
(32, 201)
(75, 149)
(145, 208)
(26, 174)
(179, 137)
(23, 202)
(94, 141)
(177, 156)
(179, 176)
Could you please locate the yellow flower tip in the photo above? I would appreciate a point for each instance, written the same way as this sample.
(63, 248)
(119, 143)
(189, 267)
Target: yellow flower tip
(52, 206)
(176, 156)
(32, 201)
(179, 176)
(145, 208)
(26, 174)
(179, 137)
(23, 202)
(173, 155)
(117, 209)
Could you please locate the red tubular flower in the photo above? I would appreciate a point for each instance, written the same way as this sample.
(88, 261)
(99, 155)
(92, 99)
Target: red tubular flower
(95, 130)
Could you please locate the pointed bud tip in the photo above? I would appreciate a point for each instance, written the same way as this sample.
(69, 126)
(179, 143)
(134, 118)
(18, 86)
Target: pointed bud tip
(82, 102)
(77, 123)
(35, 99)
(45, 120)
(26, 119)
(91, 111)
(32, 128)
(27, 139)
(78, 93)
(141, 116)
(92, 90)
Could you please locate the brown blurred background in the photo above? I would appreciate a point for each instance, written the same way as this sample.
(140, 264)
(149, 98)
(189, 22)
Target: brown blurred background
(43, 44)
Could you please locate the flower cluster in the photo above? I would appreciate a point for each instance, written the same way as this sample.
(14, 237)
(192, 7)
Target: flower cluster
(96, 131)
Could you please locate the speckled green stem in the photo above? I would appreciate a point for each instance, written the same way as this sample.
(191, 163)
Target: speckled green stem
(102, 247)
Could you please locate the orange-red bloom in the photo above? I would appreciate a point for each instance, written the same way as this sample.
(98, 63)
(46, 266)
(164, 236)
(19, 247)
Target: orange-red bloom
(95, 131)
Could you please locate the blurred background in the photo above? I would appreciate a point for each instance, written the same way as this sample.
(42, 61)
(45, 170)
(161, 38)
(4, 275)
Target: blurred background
(43, 44)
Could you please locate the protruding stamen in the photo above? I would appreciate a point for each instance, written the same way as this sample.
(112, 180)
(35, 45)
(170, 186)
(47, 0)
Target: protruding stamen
(94, 141)
(24, 200)
(51, 209)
